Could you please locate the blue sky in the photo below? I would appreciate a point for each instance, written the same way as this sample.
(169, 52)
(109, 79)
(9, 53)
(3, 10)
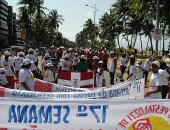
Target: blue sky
(76, 13)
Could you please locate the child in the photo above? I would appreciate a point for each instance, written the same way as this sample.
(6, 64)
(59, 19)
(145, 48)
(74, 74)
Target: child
(3, 80)
(100, 75)
(49, 73)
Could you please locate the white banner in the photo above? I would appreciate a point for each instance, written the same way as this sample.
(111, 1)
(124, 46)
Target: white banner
(127, 90)
(52, 114)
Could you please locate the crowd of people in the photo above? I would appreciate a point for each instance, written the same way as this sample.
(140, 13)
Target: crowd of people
(23, 68)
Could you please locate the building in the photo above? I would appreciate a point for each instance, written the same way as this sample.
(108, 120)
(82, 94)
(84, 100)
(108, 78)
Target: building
(10, 26)
(3, 17)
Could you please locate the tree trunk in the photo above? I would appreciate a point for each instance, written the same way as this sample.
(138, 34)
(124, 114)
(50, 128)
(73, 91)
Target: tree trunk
(119, 44)
(147, 46)
(141, 45)
(151, 43)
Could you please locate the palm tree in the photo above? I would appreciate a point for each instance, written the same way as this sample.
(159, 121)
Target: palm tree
(54, 20)
(91, 31)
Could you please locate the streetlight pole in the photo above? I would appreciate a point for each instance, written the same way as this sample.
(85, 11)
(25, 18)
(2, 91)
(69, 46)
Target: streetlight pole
(95, 10)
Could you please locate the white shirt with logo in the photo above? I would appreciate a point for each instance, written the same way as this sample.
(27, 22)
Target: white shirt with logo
(26, 76)
(49, 75)
(155, 81)
(17, 63)
(33, 58)
(139, 72)
(147, 64)
(164, 76)
(65, 65)
(132, 71)
(7, 65)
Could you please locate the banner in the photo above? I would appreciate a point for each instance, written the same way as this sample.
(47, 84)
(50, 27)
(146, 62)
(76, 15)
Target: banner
(29, 114)
(43, 86)
(126, 90)
(75, 79)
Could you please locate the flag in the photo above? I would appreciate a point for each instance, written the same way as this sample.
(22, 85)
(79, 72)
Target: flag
(43, 86)
(75, 79)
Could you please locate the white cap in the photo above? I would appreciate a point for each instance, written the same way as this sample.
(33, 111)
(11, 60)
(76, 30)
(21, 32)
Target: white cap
(169, 54)
(49, 65)
(111, 52)
(156, 63)
(2, 70)
(27, 62)
(132, 56)
(82, 57)
(30, 50)
(100, 62)
(20, 54)
(7, 53)
(139, 61)
(47, 55)
(95, 58)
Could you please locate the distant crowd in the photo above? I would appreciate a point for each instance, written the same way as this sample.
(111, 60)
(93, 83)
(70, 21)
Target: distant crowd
(18, 70)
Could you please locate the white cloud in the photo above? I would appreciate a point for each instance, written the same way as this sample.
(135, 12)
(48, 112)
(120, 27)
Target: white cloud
(88, 14)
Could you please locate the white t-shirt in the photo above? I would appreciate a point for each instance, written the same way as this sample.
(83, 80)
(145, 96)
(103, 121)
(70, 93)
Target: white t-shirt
(49, 75)
(155, 81)
(44, 62)
(26, 76)
(147, 64)
(7, 65)
(139, 72)
(17, 63)
(99, 78)
(123, 61)
(112, 65)
(75, 61)
(33, 59)
(132, 71)
(65, 65)
(164, 76)
(3, 79)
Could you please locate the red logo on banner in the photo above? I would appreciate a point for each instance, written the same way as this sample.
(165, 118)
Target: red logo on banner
(142, 124)
(2, 93)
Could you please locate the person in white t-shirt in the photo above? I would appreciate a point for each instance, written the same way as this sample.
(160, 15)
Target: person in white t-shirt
(44, 62)
(139, 69)
(123, 65)
(3, 80)
(75, 61)
(17, 62)
(100, 75)
(34, 65)
(155, 90)
(147, 65)
(49, 73)
(26, 77)
(7, 63)
(66, 64)
(164, 77)
(132, 72)
(112, 67)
